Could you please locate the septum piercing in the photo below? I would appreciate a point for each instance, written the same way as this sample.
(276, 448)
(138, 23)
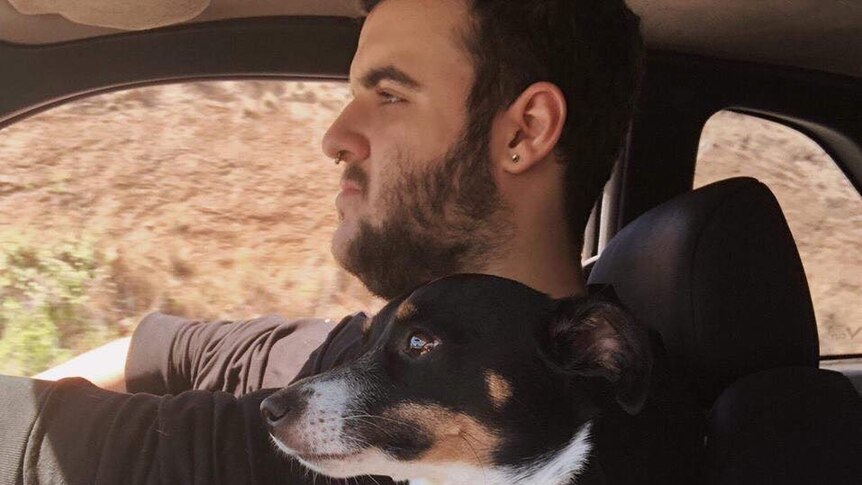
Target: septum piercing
(339, 157)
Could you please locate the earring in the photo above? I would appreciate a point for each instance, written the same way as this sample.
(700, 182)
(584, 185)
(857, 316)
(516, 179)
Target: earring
(516, 158)
(339, 157)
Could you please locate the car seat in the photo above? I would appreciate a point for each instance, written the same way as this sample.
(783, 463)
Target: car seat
(791, 425)
(716, 274)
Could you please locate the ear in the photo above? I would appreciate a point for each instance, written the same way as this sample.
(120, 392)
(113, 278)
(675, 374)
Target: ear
(530, 127)
(594, 337)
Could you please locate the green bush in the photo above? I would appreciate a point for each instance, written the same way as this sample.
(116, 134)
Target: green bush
(44, 296)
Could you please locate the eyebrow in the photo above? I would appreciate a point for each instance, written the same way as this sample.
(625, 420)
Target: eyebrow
(391, 73)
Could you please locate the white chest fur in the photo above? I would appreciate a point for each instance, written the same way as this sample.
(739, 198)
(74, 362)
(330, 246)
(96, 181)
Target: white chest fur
(555, 468)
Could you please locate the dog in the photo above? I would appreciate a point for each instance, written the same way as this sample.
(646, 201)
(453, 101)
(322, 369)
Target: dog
(468, 379)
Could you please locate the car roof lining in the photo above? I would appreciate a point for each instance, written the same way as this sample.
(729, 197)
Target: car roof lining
(822, 35)
(120, 14)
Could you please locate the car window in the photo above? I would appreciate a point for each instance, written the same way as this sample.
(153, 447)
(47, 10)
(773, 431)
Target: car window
(823, 210)
(207, 199)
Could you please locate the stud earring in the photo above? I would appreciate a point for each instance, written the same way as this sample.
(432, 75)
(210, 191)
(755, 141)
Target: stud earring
(516, 158)
(339, 157)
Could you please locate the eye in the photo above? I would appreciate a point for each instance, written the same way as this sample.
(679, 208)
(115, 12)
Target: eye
(420, 344)
(388, 98)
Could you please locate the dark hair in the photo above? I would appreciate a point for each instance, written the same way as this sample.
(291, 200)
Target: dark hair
(591, 49)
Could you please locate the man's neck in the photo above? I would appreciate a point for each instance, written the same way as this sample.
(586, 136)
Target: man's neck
(536, 243)
(549, 269)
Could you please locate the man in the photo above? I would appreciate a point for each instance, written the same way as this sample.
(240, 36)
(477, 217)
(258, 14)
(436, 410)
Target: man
(479, 136)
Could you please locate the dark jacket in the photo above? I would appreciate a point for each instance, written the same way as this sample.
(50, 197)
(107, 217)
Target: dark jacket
(192, 418)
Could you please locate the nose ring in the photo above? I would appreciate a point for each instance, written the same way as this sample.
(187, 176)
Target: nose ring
(339, 157)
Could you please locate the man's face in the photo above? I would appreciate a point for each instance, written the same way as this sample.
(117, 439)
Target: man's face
(417, 195)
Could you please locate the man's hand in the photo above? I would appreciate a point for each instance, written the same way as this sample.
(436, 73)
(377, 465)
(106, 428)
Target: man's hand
(104, 366)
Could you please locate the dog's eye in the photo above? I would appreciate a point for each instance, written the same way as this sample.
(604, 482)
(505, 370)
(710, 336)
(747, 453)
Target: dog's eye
(420, 344)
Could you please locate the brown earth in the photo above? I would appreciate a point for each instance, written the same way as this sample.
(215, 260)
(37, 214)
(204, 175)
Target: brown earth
(213, 200)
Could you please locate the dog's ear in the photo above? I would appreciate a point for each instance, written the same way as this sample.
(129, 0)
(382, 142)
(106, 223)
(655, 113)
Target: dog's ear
(595, 337)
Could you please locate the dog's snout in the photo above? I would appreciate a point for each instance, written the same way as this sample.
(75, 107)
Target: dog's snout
(283, 406)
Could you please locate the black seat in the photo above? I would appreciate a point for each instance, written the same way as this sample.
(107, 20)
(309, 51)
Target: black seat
(716, 274)
(792, 425)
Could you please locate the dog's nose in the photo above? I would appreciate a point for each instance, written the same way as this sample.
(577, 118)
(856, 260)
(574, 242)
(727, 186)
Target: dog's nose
(273, 410)
(283, 406)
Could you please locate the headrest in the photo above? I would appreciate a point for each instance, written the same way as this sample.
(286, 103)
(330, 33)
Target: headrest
(716, 273)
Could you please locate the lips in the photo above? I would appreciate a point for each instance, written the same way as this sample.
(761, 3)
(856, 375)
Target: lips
(349, 196)
(349, 187)
(353, 181)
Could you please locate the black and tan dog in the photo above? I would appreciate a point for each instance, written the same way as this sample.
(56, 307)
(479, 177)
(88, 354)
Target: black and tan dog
(468, 379)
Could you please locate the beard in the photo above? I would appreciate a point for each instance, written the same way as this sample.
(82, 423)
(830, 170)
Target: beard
(441, 219)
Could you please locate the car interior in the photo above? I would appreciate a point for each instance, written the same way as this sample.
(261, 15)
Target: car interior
(714, 271)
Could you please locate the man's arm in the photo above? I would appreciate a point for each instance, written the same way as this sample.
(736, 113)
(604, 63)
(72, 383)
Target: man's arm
(170, 354)
(71, 432)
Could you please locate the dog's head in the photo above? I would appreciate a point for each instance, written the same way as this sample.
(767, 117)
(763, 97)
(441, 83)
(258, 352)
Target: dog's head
(469, 375)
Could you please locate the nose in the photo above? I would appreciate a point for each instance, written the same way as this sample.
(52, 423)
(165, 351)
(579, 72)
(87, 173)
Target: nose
(283, 407)
(344, 136)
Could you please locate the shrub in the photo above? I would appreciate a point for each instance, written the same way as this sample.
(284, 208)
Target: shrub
(44, 295)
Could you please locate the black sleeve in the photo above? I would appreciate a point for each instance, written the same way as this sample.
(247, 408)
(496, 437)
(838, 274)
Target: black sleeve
(170, 354)
(72, 433)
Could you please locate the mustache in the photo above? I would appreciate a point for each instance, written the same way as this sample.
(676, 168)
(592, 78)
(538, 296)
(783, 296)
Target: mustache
(356, 175)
